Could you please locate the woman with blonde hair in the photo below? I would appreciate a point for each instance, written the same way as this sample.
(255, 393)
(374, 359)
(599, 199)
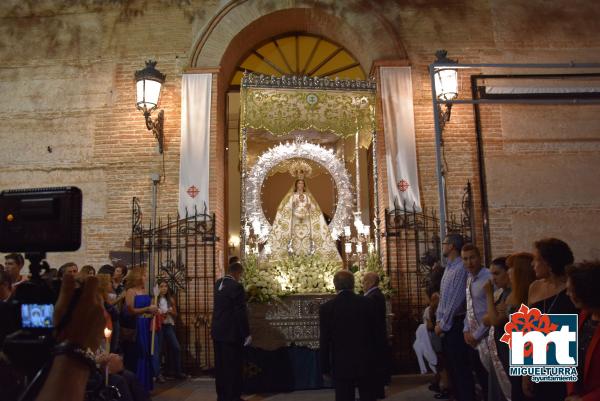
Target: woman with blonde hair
(138, 304)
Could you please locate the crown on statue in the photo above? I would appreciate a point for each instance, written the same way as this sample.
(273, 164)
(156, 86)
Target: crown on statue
(300, 169)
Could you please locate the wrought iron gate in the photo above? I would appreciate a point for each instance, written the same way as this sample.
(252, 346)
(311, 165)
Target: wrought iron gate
(413, 248)
(184, 254)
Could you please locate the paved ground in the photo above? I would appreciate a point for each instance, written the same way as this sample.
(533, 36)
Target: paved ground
(403, 388)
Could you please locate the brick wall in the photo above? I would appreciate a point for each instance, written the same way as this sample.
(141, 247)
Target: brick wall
(66, 72)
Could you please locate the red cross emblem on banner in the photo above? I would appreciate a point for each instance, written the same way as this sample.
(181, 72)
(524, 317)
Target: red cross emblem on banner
(403, 185)
(193, 191)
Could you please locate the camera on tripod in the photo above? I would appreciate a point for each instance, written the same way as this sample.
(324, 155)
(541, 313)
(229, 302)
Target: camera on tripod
(36, 221)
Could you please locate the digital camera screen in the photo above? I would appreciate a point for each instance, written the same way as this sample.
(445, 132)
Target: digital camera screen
(34, 316)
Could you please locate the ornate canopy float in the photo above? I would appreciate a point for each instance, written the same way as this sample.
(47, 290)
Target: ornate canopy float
(285, 105)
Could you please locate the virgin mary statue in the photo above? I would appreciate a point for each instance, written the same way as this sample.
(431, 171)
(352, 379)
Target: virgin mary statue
(299, 227)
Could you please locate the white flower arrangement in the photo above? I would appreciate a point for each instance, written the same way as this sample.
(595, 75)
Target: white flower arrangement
(294, 275)
(302, 275)
(373, 265)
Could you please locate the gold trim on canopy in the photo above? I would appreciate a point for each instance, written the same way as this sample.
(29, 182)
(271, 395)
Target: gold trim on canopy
(321, 104)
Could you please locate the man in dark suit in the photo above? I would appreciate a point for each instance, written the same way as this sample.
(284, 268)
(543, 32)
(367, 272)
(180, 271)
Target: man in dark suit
(348, 340)
(230, 332)
(372, 291)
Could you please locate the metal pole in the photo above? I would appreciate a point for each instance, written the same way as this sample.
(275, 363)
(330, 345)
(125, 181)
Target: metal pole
(487, 251)
(151, 261)
(438, 159)
(376, 220)
(357, 164)
(244, 221)
(527, 65)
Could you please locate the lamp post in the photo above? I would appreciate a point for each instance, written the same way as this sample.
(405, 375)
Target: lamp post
(148, 84)
(444, 89)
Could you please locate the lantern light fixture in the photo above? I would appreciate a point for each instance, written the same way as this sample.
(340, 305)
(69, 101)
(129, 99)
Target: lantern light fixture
(149, 83)
(446, 83)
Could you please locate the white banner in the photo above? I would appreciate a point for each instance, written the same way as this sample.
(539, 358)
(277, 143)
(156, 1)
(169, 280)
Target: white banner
(399, 127)
(195, 143)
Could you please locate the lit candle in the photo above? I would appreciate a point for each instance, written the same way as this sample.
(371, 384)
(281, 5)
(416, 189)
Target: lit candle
(107, 333)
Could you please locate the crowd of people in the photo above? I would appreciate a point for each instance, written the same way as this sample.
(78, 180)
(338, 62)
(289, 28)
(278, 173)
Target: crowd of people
(130, 320)
(460, 339)
(470, 305)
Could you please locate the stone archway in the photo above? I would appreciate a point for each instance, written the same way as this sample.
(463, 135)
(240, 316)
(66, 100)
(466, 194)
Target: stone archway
(241, 25)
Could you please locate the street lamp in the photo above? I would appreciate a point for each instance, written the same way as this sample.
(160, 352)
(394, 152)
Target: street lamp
(446, 84)
(149, 83)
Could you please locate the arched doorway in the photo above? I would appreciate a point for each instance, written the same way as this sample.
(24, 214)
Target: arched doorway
(286, 54)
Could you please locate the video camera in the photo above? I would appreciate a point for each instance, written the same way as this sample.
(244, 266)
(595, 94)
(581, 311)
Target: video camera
(36, 221)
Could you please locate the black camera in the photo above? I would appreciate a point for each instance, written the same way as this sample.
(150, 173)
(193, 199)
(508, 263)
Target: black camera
(36, 221)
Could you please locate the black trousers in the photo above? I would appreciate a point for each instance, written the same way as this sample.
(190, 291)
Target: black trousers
(456, 353)
(228, 370)
(345, 388)
(481, 373)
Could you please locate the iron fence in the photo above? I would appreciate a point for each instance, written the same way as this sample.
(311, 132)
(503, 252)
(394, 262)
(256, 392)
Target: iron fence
(183, 251)
(413, 249)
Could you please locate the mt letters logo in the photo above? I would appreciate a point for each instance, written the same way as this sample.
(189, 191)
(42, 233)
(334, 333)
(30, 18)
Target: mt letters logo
(543, 346)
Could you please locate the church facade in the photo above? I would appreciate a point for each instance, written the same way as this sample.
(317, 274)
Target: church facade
(70, 118)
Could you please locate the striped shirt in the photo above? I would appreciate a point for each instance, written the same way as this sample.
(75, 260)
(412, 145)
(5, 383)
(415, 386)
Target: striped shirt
(452, 293)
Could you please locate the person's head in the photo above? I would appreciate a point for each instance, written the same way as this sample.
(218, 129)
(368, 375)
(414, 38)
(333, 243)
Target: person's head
(452, 245)
(370, 280)
(551, 256)
(136, 278)
(235, 270)
(50, 274)
(69, 268)
(5, 284)
(471, 258)
(13, 263)
(163, 287)
(299, 185)
(521, 275)
(87, 270)
(106, 269)
(120, 272)
(233, 259)
(582, 285)
(499, 272)
(343, 280)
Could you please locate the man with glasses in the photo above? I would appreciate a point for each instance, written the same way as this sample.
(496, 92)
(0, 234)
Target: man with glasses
(450, 317)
